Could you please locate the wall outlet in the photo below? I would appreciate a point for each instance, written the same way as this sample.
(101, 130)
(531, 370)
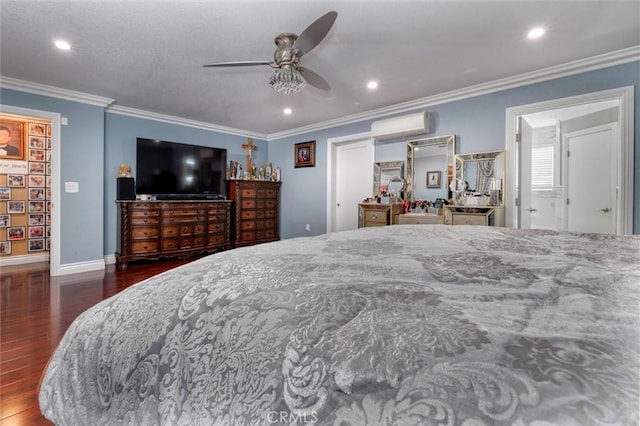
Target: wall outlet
(308, 227)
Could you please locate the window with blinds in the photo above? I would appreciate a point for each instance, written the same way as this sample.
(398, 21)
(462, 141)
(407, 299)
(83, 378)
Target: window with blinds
(542, 167)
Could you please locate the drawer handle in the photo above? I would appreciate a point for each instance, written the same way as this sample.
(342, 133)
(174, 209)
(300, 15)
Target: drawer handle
(374, 216)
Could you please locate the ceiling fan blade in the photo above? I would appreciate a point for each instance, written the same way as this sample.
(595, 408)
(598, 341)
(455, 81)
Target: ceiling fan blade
(314, 79)
(240, 64)
(315, 32)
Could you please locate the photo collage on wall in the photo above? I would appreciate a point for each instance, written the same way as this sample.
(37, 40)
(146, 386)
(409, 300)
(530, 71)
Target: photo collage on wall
(25, 185)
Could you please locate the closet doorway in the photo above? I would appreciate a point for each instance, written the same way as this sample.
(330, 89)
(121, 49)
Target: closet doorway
(32, 176)
(570, 164)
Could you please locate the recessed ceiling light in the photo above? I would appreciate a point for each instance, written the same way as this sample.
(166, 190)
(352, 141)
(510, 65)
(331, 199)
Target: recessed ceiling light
(287, 111)
(372, 85)
(62, 45)
(535, 33)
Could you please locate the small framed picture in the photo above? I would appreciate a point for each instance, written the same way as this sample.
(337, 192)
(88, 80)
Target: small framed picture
(36, 194)
(37, 129)
(5, 220)
(37, 168)
(12, 139)
(433, 179)
(36, 244)
(305, 154)
(48, 143)
(37, 180)
(36, 154)
(47, 245)
(15, 233)
(16, 207)
(5, 194)
(48, 231)
(38, 142)
(15, 181)
(47, 219)
(36, 206)
(5, 247)
(36, 219)
(36, 232)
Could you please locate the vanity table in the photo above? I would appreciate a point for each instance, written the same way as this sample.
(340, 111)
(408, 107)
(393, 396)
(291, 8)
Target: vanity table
(477, 190)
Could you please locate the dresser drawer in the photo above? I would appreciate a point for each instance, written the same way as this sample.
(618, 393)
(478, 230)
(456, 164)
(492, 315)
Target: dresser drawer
(215, 239)
(248, 214)
(142, 232)
(169, 244)
(248, 204)
(137, 213)
(215, 227)
(144, 246)
(145, 220)
(375, 217)
(469, 219)
(170, 231)
(248, 224)
(249, 192)
(199, 228)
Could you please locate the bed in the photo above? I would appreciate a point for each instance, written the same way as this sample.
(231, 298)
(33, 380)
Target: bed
(406, 325)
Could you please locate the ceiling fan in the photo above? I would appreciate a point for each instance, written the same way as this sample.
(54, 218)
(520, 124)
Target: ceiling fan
(289, 76)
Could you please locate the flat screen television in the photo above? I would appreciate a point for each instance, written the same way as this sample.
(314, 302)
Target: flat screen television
(171, 170)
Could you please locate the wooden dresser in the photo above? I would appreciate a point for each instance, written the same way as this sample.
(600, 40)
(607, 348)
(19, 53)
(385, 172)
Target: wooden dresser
(374, 214)
(256, 216)
(156, 229)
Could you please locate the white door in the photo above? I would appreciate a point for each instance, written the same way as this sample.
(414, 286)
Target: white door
(354, 181)
(591, 180)
(526, 210)
(350, 180)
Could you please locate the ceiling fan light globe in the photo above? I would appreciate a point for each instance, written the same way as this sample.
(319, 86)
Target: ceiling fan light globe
(287, 80)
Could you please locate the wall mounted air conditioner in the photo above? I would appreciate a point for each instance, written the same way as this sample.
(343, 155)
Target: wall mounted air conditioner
(398, 127)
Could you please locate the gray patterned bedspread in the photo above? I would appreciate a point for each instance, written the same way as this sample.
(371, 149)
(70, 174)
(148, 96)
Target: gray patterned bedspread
(397, 325)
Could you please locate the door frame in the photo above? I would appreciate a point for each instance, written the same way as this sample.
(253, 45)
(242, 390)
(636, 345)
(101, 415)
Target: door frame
(624, 148)
(332, 144)
(56, 148)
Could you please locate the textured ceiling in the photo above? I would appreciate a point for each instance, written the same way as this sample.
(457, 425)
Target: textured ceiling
(148, 54)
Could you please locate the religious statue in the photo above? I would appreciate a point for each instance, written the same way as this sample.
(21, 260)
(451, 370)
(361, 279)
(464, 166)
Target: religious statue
(249, 146)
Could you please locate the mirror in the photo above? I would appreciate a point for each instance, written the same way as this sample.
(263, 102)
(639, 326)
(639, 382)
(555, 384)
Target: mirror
(430, 168)
(483, 173)
(395, 187)
(383, 172)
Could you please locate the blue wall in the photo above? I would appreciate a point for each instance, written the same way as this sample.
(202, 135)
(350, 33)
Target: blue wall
(95, 142)
(121, 132)
(478, 123)
(82, 160)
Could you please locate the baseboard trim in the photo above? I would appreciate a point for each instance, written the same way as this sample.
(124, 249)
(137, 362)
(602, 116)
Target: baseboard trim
(21, 260)
(79, 267)
(110, 259)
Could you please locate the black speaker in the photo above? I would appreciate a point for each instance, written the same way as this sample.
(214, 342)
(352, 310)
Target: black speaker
(126, 188)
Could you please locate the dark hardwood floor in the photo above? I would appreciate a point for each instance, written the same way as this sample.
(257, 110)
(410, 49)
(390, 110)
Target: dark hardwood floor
(35, 311)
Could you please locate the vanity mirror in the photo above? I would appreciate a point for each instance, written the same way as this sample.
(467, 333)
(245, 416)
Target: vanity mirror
(384, 171)
(429, 156)
(483, 173)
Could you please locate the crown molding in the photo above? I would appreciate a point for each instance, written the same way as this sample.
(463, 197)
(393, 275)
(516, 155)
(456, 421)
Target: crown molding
(54, 92)
(571, 68)
(148, 115)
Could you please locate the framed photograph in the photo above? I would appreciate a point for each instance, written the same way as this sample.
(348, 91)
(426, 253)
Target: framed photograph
(305, 154)
(15, 181)
(433, 179)
(5, 220)
(37, 129)
(15, 233)
(15, 207)
(36, 206)
(37, 180)
(37, 168)
(38, 142)
(36, 154)
(36, 219)
(36, 194)
(12, 139)
(5, 247)
(36, 232)
(36, 245)
(5, 194)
